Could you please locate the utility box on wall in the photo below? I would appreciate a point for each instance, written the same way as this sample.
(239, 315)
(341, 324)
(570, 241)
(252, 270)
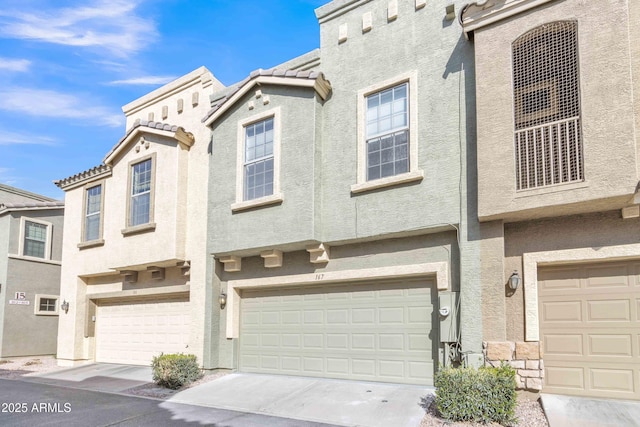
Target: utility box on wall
(448, 308)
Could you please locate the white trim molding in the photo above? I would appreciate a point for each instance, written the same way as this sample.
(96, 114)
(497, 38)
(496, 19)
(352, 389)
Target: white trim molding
(533, 260)
(47, 244)
(234, 287)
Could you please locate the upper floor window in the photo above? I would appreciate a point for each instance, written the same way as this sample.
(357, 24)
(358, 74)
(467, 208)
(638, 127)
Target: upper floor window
(140, 202)
(93, 213)
(388, 133)
(36, 238)
(548, 135)
(258, 159)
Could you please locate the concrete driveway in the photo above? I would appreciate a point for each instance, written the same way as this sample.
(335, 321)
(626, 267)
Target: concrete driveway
(97, 376)
(570, 411)
(345, 403)
(338, 402)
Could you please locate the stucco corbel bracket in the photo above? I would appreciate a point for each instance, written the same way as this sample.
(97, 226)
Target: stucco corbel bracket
(272, 258)
(318, 254)
(186, 139)
(157, 273)
(185, 268)
(231, 263)
(130, 276)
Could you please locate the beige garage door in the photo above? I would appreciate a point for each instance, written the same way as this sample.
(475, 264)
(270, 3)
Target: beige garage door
(373, 332)
(134, 332)
(589, 321)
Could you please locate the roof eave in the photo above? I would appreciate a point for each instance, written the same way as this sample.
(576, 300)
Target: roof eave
(183, 137)
(319, 84)
(482, 13)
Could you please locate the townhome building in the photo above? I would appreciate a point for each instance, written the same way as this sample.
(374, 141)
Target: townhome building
(317, 218)
(558, 119)
(343, 224)
(31, 228)
(134, 251)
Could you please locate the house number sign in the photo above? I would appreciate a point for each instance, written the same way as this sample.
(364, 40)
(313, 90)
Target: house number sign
(21, 299)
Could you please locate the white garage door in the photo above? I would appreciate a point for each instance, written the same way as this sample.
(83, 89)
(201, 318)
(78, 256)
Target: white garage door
(590, 326)
(372, 332)
(134, 332)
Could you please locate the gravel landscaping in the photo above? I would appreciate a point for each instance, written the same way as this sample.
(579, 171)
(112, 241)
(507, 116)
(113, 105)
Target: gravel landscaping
(528, 412)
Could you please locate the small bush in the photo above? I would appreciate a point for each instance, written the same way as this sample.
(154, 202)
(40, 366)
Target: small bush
(32, 362)
(175, 370)
(478, 395)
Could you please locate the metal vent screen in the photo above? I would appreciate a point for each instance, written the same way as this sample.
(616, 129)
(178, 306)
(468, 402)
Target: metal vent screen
(548, 136)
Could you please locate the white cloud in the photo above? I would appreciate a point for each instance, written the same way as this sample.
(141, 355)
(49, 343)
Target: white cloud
(14, 64)
(14, 138)
(145, 80)
(49, 103)
(108, 24)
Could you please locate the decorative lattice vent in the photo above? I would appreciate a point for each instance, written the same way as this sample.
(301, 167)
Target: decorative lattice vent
(548, 136)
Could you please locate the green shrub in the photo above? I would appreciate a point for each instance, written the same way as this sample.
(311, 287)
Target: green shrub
(175, 370)
(478, 395)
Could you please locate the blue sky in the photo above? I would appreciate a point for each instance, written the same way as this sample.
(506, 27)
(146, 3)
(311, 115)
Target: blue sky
(68, 66)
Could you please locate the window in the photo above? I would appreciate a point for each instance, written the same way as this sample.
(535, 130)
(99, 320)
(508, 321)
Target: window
(35, 238)
(141, 196)
(387, 134)
(46, 305)
(93, 213)
(258, 160)
(547, 134)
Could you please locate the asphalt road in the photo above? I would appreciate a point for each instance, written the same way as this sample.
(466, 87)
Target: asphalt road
(30, 404)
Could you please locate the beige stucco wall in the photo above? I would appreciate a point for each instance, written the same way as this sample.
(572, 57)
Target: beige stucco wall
(179, 211)
(562, 235)
(610, 163)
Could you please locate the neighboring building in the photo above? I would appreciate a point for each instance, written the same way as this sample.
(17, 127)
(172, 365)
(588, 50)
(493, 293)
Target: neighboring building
(558, 119)
(340, 212)
(30, 252)
(134, 254)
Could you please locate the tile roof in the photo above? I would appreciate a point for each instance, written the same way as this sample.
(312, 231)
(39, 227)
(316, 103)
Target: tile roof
(142, 123)
(6, 207)
(305, 74)
(97, 170)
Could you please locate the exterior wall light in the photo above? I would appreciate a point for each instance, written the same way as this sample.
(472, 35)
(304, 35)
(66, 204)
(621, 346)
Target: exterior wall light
(514, 280)
(65, 306)
(222, 299)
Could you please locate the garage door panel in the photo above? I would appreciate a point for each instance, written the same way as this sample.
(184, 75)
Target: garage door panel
(595, 354)
(376, 332)
(132, 332)
(610, 345)
(612, 380)
(562, 311)
(610, 310)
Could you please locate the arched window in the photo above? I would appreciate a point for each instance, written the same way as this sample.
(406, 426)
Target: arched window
(546, 96)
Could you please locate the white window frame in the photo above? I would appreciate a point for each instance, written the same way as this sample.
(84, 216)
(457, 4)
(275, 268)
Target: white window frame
(47, 244)
(414, 174)
(150, 225)
(56, 305)
(241, 204)
(99, 240)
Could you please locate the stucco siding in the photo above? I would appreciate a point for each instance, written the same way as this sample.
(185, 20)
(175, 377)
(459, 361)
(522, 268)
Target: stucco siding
(24, 332)
(606, 113)
(606, 229)
(416, 41)
(292, 220)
